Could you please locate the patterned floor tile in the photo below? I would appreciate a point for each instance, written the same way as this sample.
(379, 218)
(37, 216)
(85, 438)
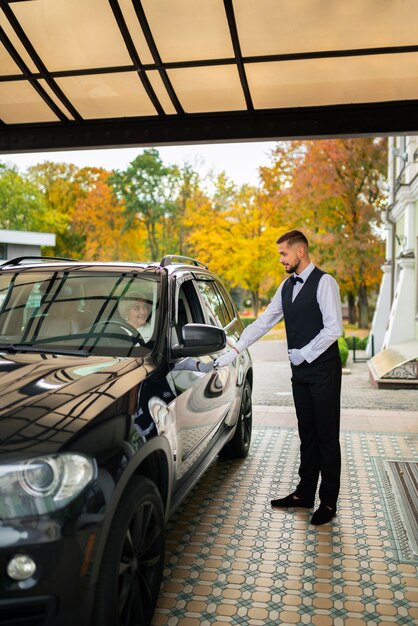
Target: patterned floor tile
(232, 559)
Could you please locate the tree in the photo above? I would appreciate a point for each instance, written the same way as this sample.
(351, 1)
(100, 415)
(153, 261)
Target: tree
(99, 219)
(187, 197)
(329, 189)
(21, 203)
(234, 236)
(145, 188)
(61, 186)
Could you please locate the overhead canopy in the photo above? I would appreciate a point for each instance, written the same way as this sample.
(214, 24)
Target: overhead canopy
(91, 73)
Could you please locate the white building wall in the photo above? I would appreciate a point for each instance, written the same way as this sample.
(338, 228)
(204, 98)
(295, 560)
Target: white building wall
(397, 305)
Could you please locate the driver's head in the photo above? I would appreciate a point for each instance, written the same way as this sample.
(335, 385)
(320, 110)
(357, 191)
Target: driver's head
(134, 308)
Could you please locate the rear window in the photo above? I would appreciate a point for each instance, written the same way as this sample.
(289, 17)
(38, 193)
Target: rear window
(215, 308)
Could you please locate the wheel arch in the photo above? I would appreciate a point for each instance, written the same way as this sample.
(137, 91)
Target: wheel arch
(152, 461)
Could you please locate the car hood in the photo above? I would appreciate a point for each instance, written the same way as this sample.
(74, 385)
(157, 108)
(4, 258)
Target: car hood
(45, 400)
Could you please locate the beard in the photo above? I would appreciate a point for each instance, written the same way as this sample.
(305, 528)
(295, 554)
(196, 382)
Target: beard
(292, 268)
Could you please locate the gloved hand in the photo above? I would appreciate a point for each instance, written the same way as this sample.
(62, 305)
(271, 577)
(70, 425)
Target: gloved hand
(295, 356)
(226, 358)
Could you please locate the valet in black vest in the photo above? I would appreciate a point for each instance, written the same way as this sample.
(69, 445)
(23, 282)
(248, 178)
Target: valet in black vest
(310, 303)
(316, 392)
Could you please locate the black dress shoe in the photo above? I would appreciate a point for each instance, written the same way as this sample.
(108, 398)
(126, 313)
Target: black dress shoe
(291, 501)
(322, 515)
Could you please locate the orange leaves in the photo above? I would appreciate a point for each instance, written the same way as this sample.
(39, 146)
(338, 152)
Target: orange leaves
(99, 218)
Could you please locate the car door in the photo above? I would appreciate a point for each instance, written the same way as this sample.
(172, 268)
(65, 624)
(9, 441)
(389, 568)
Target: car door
(202, 399)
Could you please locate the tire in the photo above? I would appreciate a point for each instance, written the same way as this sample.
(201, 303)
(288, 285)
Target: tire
(133, 559)
(238, 446)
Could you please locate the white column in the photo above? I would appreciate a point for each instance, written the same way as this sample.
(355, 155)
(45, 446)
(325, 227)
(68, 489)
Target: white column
(410, 228)
(381, 313)
(401, 327)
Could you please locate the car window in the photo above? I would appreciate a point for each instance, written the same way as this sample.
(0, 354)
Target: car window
(213, 304)
(101, 312)
(230, 313)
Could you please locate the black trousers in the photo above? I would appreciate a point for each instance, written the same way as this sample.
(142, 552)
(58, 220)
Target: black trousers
(316, 394)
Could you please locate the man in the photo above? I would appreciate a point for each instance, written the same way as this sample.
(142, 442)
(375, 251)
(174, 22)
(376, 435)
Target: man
(309, 301)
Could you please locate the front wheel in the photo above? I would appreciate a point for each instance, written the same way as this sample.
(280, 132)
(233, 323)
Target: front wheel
(133, 559)
(238, 446)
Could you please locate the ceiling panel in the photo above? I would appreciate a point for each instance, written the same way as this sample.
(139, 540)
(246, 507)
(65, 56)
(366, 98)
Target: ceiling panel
(72, 34)
(10, 34)
(161, 91)
(187, 30)
(204, 89)
(136, 31)
(319, 82)
(91, 73)
(20, 103)
(107, 95)
(52, 95)
(268, 27)
(7, 66)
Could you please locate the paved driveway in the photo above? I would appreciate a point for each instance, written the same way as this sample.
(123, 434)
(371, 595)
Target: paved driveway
(272, 385)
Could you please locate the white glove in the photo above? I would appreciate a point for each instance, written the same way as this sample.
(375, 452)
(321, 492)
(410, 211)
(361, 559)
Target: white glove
(295, 356)
(226, 358)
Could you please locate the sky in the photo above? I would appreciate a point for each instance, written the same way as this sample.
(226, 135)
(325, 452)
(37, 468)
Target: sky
(240, 161)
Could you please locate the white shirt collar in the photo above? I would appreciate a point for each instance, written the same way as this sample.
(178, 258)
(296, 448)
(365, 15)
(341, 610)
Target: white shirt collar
(307, 272)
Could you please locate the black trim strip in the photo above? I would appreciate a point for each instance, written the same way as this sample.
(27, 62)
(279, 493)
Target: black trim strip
(229, 10)
(373, 119)
(120, 20)
(210, 62)
(140, 13)
(325, 54)
(28, 78)
(37, 60)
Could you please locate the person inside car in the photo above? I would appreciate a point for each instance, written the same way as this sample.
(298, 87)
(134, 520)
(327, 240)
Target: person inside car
(135, 309)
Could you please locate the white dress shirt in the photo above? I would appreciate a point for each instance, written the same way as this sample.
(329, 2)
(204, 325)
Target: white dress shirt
(328, 296)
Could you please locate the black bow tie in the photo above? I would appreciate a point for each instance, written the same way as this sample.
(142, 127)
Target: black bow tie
(295, 279)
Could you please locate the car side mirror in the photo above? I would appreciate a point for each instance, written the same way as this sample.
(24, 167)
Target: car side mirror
(198, 340)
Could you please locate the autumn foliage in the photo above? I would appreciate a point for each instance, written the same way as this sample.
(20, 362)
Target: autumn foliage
(330, 189)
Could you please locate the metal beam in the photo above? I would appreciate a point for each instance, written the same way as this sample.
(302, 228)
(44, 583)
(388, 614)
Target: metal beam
(392, 118)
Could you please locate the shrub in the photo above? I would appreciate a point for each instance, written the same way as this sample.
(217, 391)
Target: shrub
(247, 320)
(361, 342)
(343, 348)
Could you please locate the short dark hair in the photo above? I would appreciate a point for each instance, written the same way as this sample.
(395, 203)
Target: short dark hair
(293, 236)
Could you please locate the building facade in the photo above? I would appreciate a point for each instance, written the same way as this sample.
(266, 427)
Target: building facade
(19, 243)
(395, 322)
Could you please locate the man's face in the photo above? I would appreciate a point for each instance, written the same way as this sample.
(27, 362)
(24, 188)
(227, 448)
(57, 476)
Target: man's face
(290, 256)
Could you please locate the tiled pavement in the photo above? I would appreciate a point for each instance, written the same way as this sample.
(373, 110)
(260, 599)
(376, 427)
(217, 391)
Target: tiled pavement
(231, 559)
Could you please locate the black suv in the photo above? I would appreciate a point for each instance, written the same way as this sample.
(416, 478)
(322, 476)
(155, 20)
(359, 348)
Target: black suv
(110, 411)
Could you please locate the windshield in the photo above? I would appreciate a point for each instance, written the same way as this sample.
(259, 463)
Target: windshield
(67, 311)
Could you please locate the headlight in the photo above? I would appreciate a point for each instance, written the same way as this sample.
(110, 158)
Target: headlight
(44, 484)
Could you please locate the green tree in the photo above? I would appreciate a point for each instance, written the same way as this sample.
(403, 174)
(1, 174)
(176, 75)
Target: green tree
(21, 203)
(61, 186)
(146, 189)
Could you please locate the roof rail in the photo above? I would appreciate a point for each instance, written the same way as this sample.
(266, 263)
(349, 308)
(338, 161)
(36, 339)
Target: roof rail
(18, 260)
(187, 260)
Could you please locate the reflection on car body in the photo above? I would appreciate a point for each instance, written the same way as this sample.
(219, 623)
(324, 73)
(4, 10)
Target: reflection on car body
(104, 431)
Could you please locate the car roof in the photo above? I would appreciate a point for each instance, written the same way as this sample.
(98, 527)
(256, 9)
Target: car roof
(169, 263)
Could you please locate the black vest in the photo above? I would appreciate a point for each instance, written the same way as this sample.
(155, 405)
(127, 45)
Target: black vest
(303, 317)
